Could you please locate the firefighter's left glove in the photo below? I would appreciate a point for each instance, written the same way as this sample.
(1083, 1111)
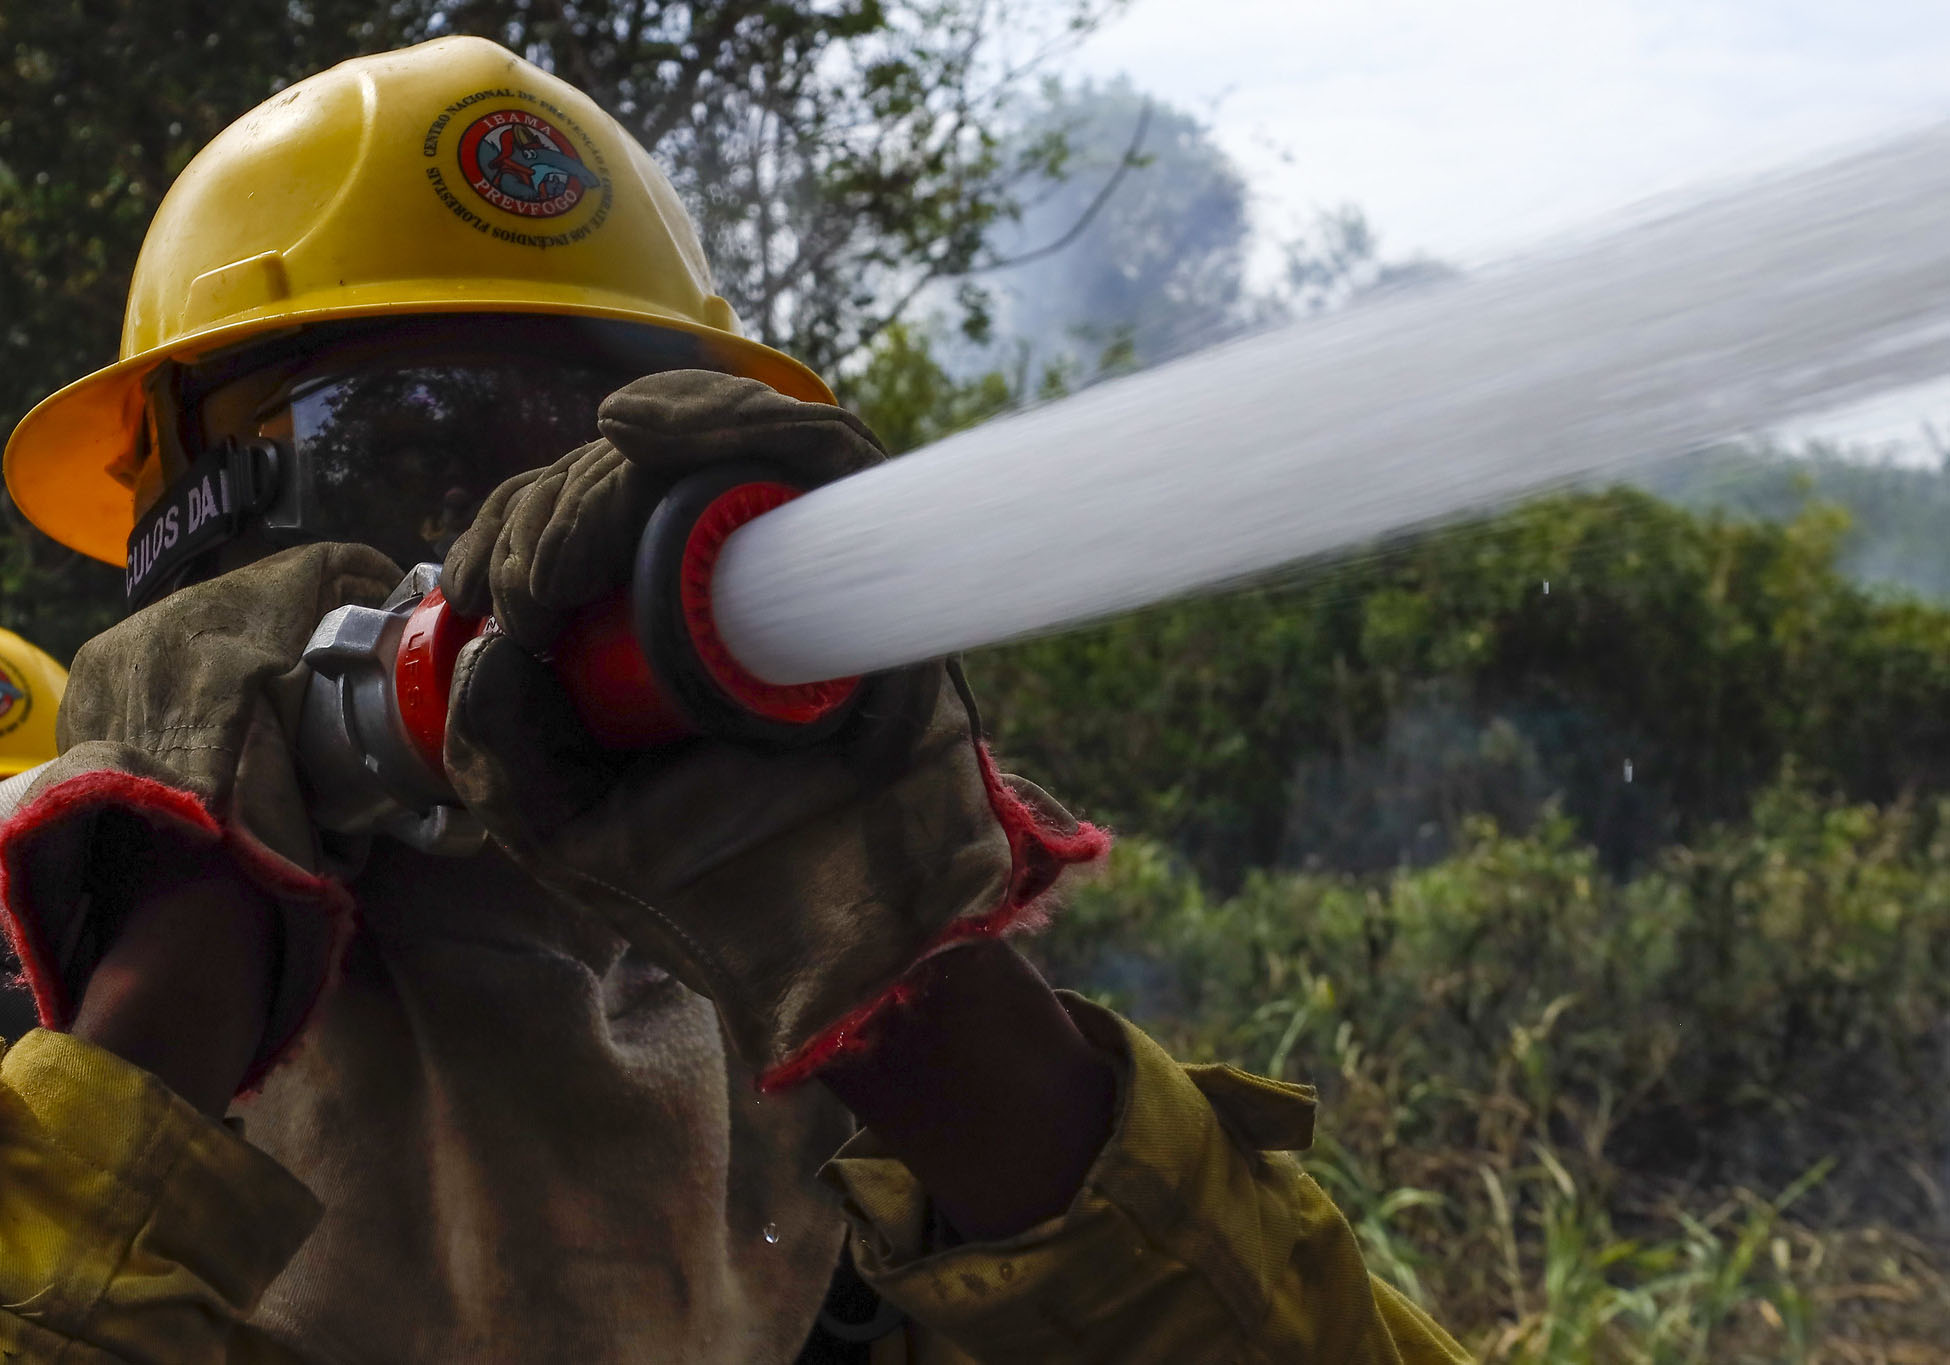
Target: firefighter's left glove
(176, 735)
(796, 889)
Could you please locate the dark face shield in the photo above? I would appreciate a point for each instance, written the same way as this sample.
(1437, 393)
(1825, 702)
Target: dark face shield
(402, 459)
(393, 442)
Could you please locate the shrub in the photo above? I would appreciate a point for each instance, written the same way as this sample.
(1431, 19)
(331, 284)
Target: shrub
(1548, 1092)
(1356, 718)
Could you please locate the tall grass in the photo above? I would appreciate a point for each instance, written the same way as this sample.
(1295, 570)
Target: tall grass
(1695, 1115)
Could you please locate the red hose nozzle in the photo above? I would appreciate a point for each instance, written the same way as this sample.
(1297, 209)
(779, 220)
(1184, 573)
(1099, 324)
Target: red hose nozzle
(644, 668)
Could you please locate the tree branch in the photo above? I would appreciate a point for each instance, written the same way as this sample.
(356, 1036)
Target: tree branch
(872, 331)
(1091, 210)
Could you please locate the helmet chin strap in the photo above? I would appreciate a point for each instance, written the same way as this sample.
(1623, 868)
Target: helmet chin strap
(209, 504)
(211, 491)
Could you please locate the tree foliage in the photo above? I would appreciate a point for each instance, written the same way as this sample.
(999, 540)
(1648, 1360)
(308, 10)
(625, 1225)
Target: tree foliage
(1355, 716)
(1897, 511)
(1340, 260)
(909, 399)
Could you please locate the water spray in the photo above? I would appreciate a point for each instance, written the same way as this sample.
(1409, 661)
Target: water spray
(1792, 295)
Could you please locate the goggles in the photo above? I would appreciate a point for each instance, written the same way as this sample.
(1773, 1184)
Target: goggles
(367, 445)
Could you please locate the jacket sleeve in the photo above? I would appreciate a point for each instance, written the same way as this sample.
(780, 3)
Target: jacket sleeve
(1195, 1237)
(132, 1228)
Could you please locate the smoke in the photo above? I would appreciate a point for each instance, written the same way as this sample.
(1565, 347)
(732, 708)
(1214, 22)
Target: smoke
(1158, 269)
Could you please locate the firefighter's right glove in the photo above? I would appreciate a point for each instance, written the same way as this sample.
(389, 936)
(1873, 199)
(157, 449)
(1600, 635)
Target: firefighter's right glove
(175, 736)
(796, 889)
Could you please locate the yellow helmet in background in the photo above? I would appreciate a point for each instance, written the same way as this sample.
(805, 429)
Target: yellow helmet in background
(31, 684)
(450, 177)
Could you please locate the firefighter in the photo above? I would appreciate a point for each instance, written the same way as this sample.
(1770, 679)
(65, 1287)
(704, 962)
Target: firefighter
(31, 683)
(626, 1083)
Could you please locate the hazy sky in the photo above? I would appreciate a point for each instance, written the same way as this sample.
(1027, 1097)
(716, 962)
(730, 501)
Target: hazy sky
(1467, 128)
(1464, 127)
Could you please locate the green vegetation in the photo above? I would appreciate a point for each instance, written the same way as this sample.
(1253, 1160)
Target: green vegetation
(1355, 716)
(1895, 542)
(1697, 1114)
(1613, 1068)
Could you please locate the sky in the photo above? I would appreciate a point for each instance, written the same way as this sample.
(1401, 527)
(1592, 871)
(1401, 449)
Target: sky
(1469, 129)
(1466, 128)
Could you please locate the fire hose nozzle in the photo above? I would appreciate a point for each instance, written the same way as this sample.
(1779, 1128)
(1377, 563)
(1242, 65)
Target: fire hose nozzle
(644, 669)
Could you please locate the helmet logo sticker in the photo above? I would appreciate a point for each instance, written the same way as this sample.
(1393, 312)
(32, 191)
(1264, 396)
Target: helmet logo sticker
(15, 700)
(517, 162)
(534, 163)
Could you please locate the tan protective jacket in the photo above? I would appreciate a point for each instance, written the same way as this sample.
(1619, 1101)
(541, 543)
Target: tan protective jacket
(506, 1139)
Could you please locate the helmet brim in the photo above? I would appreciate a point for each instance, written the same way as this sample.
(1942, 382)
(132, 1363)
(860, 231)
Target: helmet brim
(62, 459)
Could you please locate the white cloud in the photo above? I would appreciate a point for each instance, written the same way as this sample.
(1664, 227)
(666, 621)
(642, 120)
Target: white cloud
(1466, 129)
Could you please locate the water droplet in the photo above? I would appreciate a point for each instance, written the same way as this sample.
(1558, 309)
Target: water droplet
(1628, 770)
(1006, 1271)
(771, 1233)
(1547, 587)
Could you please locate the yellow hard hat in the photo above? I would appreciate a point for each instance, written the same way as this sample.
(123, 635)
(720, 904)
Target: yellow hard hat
(444, 178)
(31, 685)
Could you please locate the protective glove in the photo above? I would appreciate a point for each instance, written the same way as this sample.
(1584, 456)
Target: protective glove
(795, 889)
(176, 730)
